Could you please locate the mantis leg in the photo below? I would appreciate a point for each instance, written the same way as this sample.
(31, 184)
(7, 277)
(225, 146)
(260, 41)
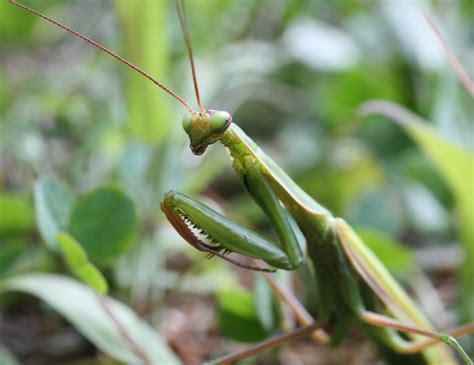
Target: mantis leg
(374, 274)
(210, 231)
(263, 194)
(269, 344)
(303, 317)
(414, 346)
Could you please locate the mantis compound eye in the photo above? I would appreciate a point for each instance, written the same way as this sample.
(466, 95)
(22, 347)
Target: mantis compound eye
(187, 122)
(219, 121)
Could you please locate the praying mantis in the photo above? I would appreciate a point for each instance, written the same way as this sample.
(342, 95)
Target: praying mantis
(353, 285)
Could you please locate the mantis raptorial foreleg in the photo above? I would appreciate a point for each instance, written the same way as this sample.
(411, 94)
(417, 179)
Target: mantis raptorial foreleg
(243, 241)
(191, 218)
(263, 194)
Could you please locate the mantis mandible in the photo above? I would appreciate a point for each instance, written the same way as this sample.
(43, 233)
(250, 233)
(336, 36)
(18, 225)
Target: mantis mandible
(354, 286)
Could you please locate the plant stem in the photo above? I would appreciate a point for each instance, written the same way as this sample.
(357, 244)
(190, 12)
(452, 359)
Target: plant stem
(123, 331)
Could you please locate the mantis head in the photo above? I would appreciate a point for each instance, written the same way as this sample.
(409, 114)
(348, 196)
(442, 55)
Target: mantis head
(205, 128)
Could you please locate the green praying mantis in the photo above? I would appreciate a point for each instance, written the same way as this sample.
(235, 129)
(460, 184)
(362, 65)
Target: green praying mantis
(353, 285)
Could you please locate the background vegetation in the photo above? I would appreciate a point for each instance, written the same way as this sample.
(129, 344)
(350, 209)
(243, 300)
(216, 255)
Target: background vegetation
(88, 148)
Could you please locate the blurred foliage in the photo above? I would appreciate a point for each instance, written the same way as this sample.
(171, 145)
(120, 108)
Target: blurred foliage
(455, 164)
(104, 222)
(53, 202)
(85, 310)
(239, 318)
(78, 261)
(7, 357)
(88, 147)
(16, 215)
(142, 24)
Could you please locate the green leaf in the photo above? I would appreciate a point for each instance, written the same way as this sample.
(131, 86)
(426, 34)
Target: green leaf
(79, 263)
(236, 301)
(10, 252)
(240, 329)
(53, 203)
(72, 250)
(375, 209)
(91, 276)
(396, 258)
(15, 214)
(15, 24)
(6, 357)
(103, 221)
(456, 165)
(85, 310)
(237, 316)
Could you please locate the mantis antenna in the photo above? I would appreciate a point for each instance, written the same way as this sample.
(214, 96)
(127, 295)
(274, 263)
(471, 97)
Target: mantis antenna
(187, 40)
(113, 54)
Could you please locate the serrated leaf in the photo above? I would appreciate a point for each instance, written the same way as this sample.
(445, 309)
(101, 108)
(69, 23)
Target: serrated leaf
(103, 221)
(82, 307)
(53, 203)
(79, 263)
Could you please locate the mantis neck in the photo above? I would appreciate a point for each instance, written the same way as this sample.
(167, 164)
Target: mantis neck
(234, 144)
(246, 155)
